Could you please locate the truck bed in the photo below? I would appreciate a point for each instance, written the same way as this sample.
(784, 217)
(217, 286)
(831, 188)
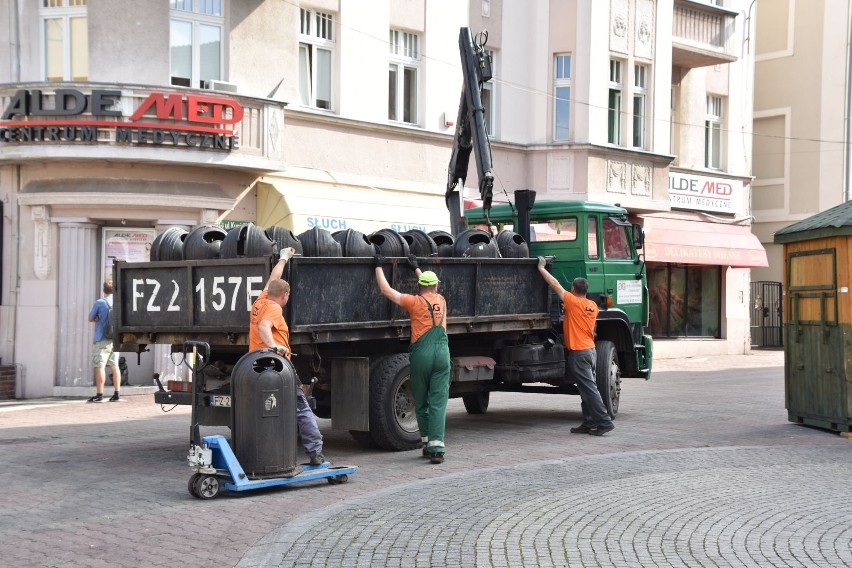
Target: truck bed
(333, 299)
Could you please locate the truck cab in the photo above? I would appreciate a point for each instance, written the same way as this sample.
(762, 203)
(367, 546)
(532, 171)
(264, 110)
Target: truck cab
(595, 241)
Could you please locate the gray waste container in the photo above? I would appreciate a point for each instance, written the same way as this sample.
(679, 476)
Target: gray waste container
(264, 414)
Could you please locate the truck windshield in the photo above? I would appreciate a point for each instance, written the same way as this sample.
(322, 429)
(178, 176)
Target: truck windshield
(562, 230)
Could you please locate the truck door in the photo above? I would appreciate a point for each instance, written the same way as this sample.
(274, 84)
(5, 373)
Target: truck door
(620, 267)
(594, 259)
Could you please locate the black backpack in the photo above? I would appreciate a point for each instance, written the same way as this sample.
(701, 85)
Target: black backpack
(109, 330)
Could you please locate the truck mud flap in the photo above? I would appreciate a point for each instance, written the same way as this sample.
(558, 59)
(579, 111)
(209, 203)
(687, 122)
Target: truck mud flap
(350, 399)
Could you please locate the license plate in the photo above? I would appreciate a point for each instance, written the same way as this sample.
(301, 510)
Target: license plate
(220, 400)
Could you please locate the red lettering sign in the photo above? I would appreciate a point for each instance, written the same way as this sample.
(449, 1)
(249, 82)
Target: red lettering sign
(205, 110)
(717, 188)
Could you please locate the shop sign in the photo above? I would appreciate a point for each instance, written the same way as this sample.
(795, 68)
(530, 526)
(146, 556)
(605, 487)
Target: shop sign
(328, 223)
(229, 224)
(162, 119)
(401, 228)
(340, 224)
(705, 193)
(127, 244)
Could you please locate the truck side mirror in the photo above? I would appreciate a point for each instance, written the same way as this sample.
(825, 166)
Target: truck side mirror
(638, 236)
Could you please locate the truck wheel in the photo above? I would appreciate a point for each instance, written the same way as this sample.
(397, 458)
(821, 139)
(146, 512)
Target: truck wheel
(608, 376)
(476, 403)
(393, 423)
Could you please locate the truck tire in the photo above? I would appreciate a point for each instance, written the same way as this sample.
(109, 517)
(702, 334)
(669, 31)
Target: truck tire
(476, 403)
(608, 376)
(393, 423)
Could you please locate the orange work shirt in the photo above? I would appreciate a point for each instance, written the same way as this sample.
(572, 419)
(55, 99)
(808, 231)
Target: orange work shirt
(421, 317)
(265, 309)
(579, 323)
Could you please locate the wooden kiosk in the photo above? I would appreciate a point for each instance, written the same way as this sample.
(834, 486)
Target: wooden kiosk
(818, 319)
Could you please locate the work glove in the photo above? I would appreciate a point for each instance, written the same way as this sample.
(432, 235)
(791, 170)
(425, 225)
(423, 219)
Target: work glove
(281, 350)
(379, 260)
(412, 262)
(542, 262)
(287, 253)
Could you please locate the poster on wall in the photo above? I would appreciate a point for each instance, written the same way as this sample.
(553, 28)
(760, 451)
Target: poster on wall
(127, 244)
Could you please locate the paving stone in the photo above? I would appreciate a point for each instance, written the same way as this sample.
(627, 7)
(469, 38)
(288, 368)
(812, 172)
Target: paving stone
(703, 469)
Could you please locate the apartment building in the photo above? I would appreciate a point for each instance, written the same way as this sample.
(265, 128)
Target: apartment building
(123, 118)
(801, 127)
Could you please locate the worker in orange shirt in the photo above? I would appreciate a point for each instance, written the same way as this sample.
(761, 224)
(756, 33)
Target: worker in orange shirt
(269, 329)
(578, 328)
(429, 354)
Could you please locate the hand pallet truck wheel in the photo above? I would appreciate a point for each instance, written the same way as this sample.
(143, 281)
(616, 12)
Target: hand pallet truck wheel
(191, 484)
(207, 486)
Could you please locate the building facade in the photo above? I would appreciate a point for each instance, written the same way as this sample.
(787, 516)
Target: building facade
(123, 118)
(801, 132)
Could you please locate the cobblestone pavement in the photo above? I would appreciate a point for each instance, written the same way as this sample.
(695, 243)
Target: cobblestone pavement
(703, 469)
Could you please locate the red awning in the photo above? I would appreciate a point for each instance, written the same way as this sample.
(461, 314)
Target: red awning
(694, 242)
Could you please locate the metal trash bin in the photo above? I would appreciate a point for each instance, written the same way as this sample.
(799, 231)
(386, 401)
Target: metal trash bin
(263, 408)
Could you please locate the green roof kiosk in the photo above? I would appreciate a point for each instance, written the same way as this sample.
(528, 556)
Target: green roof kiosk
(818, 319)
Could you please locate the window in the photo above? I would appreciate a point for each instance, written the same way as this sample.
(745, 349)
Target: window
(65, 33)
(561, 96)
(195, 42)
(594, 251)
(403, 76)
(685, 300)
(488, 102)
(713, 133)
(614, 117)
(564, 230)
(640, 93)
(616, 243)
(673, 132)
(316, 48)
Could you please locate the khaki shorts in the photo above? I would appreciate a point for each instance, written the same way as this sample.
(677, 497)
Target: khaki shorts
(103, 355)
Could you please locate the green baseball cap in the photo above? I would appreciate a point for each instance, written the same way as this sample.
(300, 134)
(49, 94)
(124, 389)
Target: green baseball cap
(428, 278)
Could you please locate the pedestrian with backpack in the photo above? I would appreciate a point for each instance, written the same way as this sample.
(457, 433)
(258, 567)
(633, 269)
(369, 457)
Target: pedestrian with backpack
(102, 349)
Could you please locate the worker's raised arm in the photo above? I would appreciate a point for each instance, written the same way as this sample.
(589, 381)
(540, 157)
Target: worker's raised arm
(412, 262)
(277, 270)
(550, 279)
(384, 287)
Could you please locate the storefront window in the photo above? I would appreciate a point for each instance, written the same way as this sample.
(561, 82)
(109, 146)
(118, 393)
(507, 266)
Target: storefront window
(685, 300)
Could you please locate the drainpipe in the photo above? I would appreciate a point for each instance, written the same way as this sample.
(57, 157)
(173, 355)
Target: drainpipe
(16, 67)
(847, 135)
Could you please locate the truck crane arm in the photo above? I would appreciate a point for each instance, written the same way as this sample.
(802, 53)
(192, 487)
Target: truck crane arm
(470, 131)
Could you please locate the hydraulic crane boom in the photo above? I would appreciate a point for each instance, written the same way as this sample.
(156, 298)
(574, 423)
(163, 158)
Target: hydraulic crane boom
(470, 132)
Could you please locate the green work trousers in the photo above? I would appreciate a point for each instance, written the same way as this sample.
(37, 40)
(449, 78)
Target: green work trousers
(430, 383)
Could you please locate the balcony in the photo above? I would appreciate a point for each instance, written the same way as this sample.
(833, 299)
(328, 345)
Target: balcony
(78, 121)
(702, 34)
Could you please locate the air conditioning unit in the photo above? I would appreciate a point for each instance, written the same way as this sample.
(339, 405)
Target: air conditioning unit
(223, 86)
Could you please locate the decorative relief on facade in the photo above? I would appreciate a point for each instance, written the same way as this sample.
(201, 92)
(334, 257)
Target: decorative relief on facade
(619, 26)
(41, 242)
(560, 173)
(642, 180)
(619, 14)
(644, 44)
(272, 127)
(616, 174)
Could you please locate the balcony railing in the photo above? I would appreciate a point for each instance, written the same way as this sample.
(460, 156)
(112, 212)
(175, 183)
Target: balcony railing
(702, 34)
